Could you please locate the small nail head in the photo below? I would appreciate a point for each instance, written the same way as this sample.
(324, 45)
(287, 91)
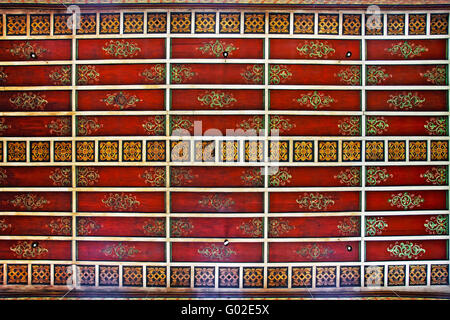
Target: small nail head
(348, 54)
(225, 54)
(34, 244)
(33, 55)
(226, 242)
(349, 248)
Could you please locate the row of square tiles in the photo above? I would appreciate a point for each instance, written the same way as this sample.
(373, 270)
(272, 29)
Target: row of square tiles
(229, 22)
(229, 151)
(228, 277)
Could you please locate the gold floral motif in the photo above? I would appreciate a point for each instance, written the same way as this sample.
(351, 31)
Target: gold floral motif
(376, 75)
(3, 75)
(279, 74)
(406, 50)
(87, 176)
(216, 252)
(155, 177)
(17, 151)
(63, 151)
(217, 48)
(216, 201)
(216, 99)
(437, 75)
(253, 74)
(303, 151)
(437, 225)
(155, 126)
(28, 101)
(280, 124)
(155, 227)
(28, 250)
(3, 126)
(314, 251)
(3, 176)
(252, 177)
(108, 151)
(121, 48)
(40, 151)
(315, 49)
(181, 73)
(87, 126)
(280, 177)
(155, 74)
(405, 200)
(61, 75)
(120, 201)
(61, 177)
(436, 175)
(180, 176)
(60, 127)
(350, 75)
(121, 100)
(25, 50)
(315, 100)
(278, 227)
(180, 227)
(132, 151)
(406, 250)
(253, 228)
(405, 101)
(61, 226)
(87, 226)
(120, 251)
(4, 225)
(29, 201)
(349, 226)
(87, 74)
(314, 201)
(350, 126)
(350, 177)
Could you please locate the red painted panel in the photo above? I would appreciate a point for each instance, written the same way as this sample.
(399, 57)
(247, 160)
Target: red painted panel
(102, 49)
(311, 74)
(46, 250)
(317, 177)
(121, 125)
(406, 126)
(112, 176)
(210, 73)
(20, 50)
(323, 49)
(113, 100)
(218, 125)
(36, 201)
(121, 227)
(417, 100)
(405, 75)
(307, 125)
(423, 249)
(36, 176)
(226, 176)
(200, 99)
(312, 227)
(209, 48)
(325, 100)
(59, 75)
(406, 200)
(407, 225)
(37, 126)
(406, 176)
(406, 50)
(121, 74)
(313, 251)
(250, 202)
(117, 251)
(217, 227)
(121, 201)
(217, 252)
(36, 226)
(314, 201)
(35, 101)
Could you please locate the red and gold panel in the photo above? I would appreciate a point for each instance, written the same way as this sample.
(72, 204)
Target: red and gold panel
(114, 100)
(36, 201)
(119, 251)
(121, 226)
(228, 99)
(36, 226)
(406, 225)
(36, 126)
(314, 201)
(314, 227)
(323, 251)
(120, 74)
(406, 75)
(185, 202)
(36, 75)
(35, 101)
(311, 49)
(310, 74)
(406, 100)
(121, 202)
(409, 250)
(325, 100)
(190, 227)
(217, 48)
(121, 125)
(216, 252)
(35, 250)
(47, 176)
(406, 175)
(330, 125)
(113, 176)
(406, 49)
(130, 48)
(406, 200)
(35, 50)
(210, 73)
(406, 126)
